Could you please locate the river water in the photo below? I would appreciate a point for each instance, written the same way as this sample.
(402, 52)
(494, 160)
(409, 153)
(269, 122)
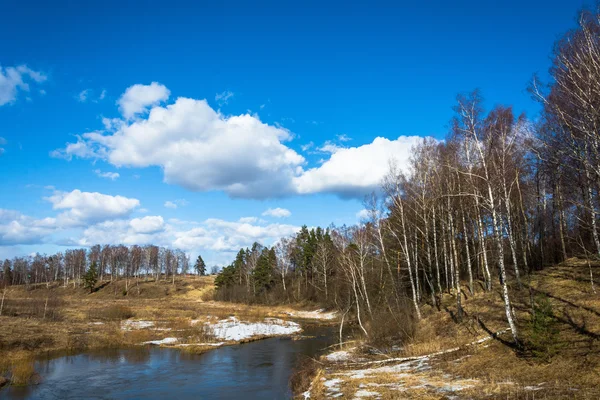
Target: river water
(256, 370)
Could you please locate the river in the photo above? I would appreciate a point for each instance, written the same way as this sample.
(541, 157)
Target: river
(256, 370)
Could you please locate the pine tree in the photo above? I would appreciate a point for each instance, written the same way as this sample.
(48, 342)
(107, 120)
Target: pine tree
(91, 277)
(200, 266)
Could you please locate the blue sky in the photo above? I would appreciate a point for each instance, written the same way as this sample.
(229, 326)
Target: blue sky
(304, 104)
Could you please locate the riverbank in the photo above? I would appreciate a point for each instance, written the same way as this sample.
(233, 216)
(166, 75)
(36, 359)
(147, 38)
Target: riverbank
(475, 358)
(44, 320)
(260, 370)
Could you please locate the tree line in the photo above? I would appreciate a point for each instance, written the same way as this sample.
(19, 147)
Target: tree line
(500, 197)
(110, 262)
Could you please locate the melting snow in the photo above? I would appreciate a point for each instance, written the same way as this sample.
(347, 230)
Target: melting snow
(201, 344)
(365, 393)
(234, 329)
(317, 314)
(412, 366)
(128, 325)
(168, 340)
(339, 356)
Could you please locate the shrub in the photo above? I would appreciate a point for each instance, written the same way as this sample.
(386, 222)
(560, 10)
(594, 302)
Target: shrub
(386, 328)
(543, 336)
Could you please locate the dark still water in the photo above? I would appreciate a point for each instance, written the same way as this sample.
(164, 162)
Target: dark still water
(256, 370)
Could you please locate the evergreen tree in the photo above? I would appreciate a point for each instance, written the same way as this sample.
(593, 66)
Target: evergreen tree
(91, 277)
(262, 275)
(200, 266)
(226, 277)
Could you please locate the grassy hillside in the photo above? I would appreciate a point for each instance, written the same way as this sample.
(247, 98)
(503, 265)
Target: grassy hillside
(559, 356)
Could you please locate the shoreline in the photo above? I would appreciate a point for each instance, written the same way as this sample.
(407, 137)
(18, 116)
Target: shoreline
(88, 322)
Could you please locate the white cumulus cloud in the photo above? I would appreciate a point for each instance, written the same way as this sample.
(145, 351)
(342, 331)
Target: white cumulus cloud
(201, 149)
(16, 228)
(82, 208)
(149, 224)
(356, 171)
(138, 98)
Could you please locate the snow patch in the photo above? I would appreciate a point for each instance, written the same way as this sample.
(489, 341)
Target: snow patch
(128, 325)
(338, 356)
(333, 387)
(201, 344)
(412, 366)
(365, 393)
(168, 340)
(234, 329)
(317, 314)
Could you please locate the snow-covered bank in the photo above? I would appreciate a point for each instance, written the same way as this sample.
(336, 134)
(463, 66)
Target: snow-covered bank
(218, 344)
(169, 340)
(234, 329)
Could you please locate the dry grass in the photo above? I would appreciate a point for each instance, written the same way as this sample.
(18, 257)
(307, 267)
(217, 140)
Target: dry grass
(496, 369)
(113, 312)
(22, 370)
(89, 321)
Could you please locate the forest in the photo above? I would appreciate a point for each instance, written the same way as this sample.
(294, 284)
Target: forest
(501, 197)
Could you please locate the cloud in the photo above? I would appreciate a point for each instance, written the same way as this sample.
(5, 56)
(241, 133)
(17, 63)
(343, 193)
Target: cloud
(87, 95)
(307, 146)
(277, 213)
(330, 147)
(150, 224)
(16, 228)
(223, 97)
(343, 138)
(2, 142)
(221, 235)
(176, 203)
(199, 149)
(363, 215)
(356, 171)
(13, 79)
(83, 96)
(107, 175)
(215, 235)
(138, 98)
(83, 208)
(140, 231)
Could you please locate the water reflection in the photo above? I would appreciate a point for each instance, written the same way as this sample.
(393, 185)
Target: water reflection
(257, 370)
